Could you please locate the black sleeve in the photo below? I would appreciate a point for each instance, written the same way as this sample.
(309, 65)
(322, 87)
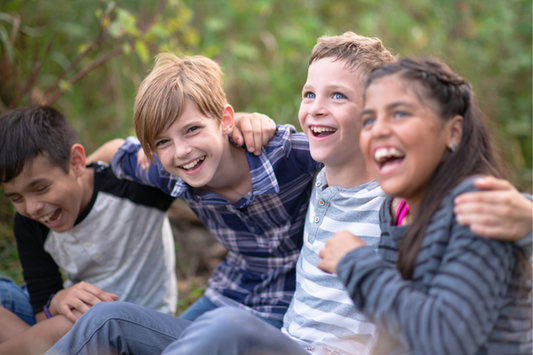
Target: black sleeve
(40, 271)
(145, 195)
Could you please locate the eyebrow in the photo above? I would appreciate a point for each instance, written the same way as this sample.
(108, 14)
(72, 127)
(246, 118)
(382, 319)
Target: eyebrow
(390, 106)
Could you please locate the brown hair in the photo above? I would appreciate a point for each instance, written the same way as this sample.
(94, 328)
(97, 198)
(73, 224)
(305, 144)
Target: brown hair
(162, 95)
(475, 155)
(363, 53)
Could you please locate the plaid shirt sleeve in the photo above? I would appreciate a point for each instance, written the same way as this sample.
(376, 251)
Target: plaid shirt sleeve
(125, 166)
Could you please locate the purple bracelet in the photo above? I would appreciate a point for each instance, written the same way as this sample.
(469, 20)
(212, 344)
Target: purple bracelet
(45, 308)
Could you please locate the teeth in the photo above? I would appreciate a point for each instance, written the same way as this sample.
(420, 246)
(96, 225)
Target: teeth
(46, 218)
(383, 154)
(192, 164)
(322, 129)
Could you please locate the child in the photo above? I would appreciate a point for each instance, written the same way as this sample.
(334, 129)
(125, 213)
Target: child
(109, 236)
(253, 205)
(450, 292)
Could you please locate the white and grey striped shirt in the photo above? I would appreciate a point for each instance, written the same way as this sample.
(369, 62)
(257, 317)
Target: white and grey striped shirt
(321, 313)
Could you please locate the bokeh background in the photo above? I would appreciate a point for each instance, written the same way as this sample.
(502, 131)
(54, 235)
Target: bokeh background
(87, 57)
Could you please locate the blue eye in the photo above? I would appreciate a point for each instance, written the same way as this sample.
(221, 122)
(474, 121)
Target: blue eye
(400, 114)
(338, 96)
(368, 121)
(309, 95)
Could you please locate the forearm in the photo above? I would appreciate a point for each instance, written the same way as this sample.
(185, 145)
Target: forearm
(105, 152)
(37, 339)
(10, 325)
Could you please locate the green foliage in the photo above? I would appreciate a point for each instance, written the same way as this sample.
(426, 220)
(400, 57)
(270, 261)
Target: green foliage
(263, 47)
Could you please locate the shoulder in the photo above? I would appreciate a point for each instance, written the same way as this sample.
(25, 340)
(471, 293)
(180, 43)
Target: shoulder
(106, 181)
(287, 137)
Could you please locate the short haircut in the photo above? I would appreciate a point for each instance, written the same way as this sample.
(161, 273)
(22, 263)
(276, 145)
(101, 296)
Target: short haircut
(28, 132)
(162, 95)
(359, 53)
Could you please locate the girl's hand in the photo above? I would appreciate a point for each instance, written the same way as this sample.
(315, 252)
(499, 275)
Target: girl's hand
(336, 248)
(500, 213)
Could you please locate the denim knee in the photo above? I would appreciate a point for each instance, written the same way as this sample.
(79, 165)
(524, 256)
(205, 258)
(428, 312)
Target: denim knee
(230, 321)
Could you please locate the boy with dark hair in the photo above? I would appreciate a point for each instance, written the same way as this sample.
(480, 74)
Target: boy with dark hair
(109, 236)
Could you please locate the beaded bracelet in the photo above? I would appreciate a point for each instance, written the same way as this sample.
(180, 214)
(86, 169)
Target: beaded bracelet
(45, 308)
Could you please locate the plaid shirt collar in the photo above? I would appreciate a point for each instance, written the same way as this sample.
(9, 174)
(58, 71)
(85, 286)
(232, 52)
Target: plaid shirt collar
(261, 172)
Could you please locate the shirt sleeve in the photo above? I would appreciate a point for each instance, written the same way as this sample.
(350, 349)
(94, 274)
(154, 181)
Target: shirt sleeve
(296, 148)
(125, 166)
(40, 271)
(455, 315)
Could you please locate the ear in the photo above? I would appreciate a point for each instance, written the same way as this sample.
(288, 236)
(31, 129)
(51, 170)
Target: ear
(77, 159)
(455, 132)
(228, 120)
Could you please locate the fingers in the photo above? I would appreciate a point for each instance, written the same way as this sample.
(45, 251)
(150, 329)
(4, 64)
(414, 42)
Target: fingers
(492, 183)
(71, 316)
(77, 299)
(268, 130)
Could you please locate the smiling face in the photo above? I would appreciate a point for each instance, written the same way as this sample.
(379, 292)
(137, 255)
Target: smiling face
(329, 112)
(403, 137)
(193, 147)
(46, 193)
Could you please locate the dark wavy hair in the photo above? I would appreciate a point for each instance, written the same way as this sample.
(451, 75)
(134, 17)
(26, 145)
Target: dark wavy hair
(452, 96)
(28, 132)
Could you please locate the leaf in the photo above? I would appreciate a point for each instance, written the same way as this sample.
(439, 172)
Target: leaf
(4, 38)
(142, 51)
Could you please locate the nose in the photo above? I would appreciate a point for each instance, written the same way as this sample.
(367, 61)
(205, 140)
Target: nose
(381, 127)
(33, 207)
(181, 149)
(317, 108)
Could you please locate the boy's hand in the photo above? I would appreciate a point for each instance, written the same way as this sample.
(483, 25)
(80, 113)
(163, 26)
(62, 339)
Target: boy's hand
(336, 248)
(142, 160)
(500, 213)
(76, 300)
(254, 129)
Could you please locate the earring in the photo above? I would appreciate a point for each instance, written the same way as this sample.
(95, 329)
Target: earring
(453, 146)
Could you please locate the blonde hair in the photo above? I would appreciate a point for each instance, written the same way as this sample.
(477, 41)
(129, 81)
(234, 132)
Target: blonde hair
(359, 53)
(162, 95)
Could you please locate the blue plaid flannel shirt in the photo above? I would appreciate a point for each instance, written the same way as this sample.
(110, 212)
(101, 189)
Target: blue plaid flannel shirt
(263, 232)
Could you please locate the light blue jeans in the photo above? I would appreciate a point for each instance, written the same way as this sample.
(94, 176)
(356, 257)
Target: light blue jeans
(16, 299)
(124, 328)
(205, 305)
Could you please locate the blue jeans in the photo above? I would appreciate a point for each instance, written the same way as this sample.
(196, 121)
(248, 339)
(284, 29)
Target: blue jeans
(16, 299)
(124, 328)
(204, 305)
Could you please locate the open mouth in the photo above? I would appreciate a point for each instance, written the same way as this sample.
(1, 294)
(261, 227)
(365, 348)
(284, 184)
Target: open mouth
(51, 217)
(388, 159)
(192, 164)
(322, 131)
